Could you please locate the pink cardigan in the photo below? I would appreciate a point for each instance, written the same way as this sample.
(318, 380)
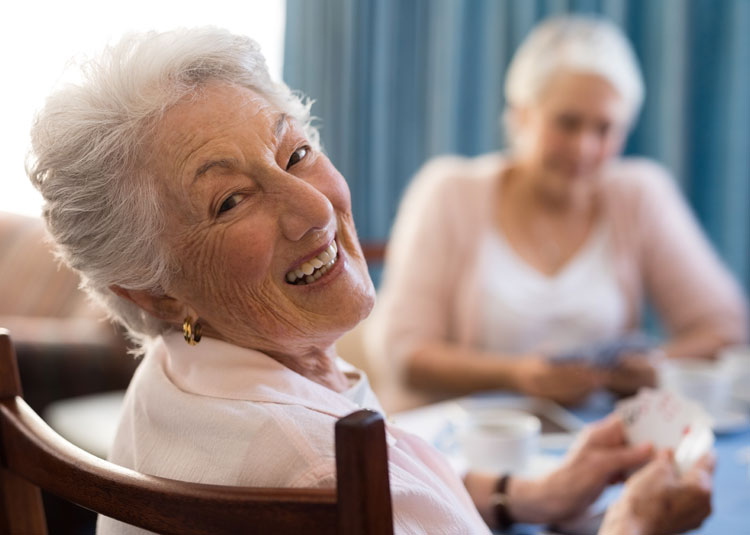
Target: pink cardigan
(431, 283)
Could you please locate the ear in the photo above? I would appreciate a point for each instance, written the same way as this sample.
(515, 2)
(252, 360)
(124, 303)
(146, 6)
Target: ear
(520, 116)
(162, 306)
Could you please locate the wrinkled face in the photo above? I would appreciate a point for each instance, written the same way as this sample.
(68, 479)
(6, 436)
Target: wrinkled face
(578, 125)
(260, 224)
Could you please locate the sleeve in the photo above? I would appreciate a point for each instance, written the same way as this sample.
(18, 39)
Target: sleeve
(415, 295)
(683, 276)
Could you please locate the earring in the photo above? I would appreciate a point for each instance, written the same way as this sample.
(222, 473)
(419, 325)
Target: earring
(192, 332)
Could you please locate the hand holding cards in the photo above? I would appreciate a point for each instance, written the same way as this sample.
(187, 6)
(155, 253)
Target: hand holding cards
(606, 354)
(667, 420)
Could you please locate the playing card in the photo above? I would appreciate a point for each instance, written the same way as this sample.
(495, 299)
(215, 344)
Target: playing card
(661, 417)
(667, 420)
(694, 445)
(606, 354)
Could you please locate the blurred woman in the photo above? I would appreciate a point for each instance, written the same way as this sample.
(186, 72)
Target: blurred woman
(528, 269)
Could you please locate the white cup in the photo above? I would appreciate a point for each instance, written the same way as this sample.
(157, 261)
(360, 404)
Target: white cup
(736, 362)
(705, 382)
(498, 440)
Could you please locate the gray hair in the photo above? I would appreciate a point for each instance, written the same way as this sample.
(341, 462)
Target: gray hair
(90, 142)
(573, 43)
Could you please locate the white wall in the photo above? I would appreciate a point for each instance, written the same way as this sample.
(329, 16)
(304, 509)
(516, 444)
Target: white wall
(38, 38)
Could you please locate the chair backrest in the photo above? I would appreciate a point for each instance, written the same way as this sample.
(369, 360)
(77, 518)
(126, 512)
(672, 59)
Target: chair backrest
(33, 456)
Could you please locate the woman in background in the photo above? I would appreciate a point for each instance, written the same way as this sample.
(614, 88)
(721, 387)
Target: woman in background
(528, 269)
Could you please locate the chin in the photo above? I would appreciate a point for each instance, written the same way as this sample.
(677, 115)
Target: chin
(360, 301)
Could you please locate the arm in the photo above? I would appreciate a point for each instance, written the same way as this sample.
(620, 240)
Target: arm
(700, 304)
(460, 370)
(598, 459)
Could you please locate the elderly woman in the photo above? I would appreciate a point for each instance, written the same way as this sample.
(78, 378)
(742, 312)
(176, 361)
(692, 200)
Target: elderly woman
(190, 193)
(517, 270)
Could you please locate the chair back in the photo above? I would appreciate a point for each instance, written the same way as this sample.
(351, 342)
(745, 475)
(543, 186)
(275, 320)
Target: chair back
(34, 457)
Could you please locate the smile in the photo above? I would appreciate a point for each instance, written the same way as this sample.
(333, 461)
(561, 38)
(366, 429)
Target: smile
(314, 268)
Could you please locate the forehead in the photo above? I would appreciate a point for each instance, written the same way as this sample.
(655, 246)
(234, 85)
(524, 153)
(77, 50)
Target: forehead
(215, 107)
(584, 92)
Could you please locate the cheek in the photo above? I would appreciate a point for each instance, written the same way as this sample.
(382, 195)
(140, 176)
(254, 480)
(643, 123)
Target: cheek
(613, 147)
(332, 184)
(245, 255)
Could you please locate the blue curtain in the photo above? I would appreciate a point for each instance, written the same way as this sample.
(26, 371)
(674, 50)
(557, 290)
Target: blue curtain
(396, 82)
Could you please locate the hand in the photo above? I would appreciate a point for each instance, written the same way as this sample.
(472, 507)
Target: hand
(657, 501)
(599, 458)
(568, 384)
(631, 374)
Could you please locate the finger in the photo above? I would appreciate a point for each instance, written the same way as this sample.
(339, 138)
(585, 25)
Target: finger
(706, 462)
(666, 455)
(607, 432)
(629, 458)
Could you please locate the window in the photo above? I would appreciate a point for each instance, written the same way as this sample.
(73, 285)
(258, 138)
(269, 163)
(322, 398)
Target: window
(40, 38)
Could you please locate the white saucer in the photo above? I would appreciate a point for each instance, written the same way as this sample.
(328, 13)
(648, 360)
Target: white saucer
(730, 421)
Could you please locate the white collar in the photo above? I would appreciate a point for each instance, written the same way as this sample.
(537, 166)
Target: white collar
(218, 369)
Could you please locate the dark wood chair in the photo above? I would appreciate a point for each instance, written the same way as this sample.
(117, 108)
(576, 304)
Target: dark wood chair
(33, 456)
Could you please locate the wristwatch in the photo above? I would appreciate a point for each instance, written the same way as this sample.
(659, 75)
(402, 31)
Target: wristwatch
(500, 503)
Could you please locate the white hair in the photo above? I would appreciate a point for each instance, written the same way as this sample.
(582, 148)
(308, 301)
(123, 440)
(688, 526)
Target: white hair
(90, 142)
(573, 43)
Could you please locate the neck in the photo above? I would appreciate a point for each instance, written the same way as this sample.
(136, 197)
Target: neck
(317, 365)
(315, 362)
(537, 192)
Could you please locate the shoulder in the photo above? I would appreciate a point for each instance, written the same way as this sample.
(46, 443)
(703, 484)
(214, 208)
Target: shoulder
(639, 184)
(167, 432)
(451, 186)
(452, 173)
(639, 176)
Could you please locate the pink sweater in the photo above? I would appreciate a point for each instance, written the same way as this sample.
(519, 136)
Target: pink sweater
(431, 284)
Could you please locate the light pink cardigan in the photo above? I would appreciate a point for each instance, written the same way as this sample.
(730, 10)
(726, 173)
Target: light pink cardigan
(431, 283)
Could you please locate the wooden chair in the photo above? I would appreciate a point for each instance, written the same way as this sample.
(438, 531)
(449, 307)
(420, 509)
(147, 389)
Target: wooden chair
(33, 456)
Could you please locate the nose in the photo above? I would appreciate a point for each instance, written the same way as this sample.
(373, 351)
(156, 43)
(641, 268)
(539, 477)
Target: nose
(303, 208)
(587, 144)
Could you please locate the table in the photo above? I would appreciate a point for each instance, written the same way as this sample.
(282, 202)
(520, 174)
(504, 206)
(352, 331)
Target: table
(731, 501)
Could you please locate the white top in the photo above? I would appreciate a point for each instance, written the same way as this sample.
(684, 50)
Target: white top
(525, 310)
(222, 414)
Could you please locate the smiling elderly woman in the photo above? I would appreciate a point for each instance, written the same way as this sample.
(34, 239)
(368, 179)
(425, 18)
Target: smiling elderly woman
(189, 192)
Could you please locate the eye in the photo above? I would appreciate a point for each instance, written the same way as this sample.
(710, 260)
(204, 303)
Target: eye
(230, 202)
(297, 156)
(568, 122)
(603, 129)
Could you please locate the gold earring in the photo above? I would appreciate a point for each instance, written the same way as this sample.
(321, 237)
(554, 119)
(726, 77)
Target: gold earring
(192, 332)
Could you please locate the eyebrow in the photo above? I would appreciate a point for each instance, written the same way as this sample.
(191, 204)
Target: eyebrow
(279, 128)
(203, 169)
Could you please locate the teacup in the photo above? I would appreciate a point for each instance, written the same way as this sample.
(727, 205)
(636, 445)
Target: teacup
(498, 440)
(705, 382)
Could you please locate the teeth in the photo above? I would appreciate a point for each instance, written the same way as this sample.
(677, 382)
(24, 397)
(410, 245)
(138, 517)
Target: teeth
(314, 268)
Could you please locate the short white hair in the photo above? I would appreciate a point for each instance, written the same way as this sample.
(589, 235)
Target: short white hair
(90, 142)
(574, 43)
